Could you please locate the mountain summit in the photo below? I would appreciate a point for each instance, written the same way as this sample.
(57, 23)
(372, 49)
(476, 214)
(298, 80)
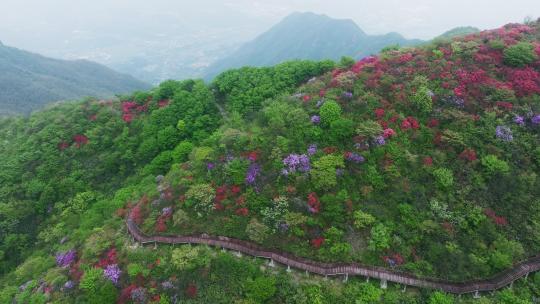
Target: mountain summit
(307, 36)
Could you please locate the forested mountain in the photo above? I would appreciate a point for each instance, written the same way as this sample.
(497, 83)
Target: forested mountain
(459, 31)
(307, 36)
(420, 160)
(29, 81)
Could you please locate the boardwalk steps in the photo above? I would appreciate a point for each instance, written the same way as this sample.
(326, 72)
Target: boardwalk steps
(501, 280)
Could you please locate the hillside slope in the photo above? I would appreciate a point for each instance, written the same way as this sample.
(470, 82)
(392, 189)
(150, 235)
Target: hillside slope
(307, 36)
(28, 81)
(421, 160)
(458, 32)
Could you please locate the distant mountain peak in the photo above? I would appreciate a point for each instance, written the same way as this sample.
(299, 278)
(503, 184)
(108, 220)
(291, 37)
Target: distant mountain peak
(307, 35)
(459, 31)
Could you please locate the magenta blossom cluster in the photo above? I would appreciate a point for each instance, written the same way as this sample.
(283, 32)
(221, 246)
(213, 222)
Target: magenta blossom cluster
(112, 272)
(64, 259)
(296, 162)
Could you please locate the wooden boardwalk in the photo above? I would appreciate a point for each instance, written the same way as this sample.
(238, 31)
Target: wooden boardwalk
(353, 269)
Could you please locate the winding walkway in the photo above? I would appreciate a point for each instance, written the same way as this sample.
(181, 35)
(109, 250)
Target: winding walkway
(331, 269)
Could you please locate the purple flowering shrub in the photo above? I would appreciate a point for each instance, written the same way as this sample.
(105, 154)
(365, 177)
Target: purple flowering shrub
(112, 272)
(296, 163)
(65, 259)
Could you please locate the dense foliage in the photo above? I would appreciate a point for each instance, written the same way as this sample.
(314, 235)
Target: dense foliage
(422, 160)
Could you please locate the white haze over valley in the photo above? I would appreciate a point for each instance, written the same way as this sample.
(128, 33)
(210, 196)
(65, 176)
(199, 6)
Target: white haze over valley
(165, 36)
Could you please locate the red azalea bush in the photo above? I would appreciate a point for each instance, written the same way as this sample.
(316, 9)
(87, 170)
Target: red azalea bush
(524, 81)
(468, 154)
(242, 211)
(317, 242)
(191, 291)
(410, 123)
(80, 140)
(63, 145)
(109, 258)
(314, 204)
(498, 220)
(163, 103)
(379, 113)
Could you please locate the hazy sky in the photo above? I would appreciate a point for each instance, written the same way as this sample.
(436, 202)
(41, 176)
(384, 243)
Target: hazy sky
(42, 25)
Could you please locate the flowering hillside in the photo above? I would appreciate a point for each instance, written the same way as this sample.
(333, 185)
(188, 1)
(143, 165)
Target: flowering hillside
(422, 160)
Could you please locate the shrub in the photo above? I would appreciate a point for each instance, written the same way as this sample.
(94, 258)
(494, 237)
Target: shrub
(444, 177)
(33, 267)
(91, 279)
(380, 238)
(440, 298)
(374, 178)
(323, 173)
(422, 99)
(341, 129)
(363, 219)
(329, 112)
(189, 258)
(134, 269)
(159, 164)
(369, 128)
(273, 215)
(257, 231)
(201, 197)
(493, 165)
(519, 55)
(236, 171)
(180, 217)
(182, 151)
(261, 289)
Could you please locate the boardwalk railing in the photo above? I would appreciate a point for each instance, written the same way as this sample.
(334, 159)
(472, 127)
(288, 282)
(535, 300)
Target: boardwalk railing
(328, 269)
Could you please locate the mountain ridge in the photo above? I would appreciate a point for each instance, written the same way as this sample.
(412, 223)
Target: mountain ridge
(307, 36)
(29, 80)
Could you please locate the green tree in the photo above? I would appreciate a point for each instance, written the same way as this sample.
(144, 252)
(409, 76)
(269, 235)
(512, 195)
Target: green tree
(330, 111)
(182, 151)
(90, 281)
(519, 55)
(438, 297)
(341, 130)
(380, 237)
(493, 165)
(201, 197)
(189, 258)
(323, 173)
(261, 289)
(362, 219)
(444, 177)
(257, 231)
(422, 99)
